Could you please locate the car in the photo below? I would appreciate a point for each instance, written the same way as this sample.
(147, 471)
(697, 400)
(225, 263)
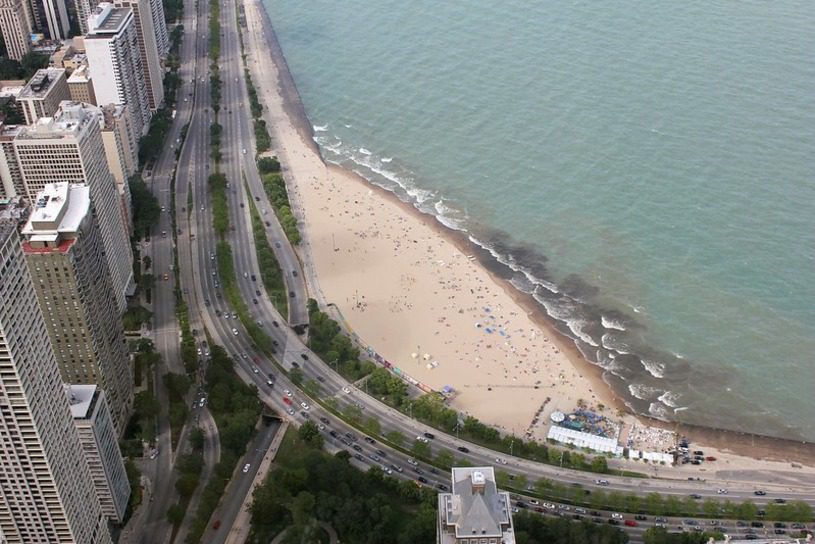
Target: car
(397, 468)
(463, 449)
(254, 301)
(257, 199)
(324, 419)
(291, 294)
(304, 405)
(721, 491)
(277, 245)
(295, 364)
(154, 453)
(287, 392)
(255, 370)
(615, 515)
(696, 496)
(216, 524)
(357, 447)
(244, 149)
(370, 440)
(351, 436)
(320, 379)
(290, 411)
(287, 400)
(420, 438)
(412, 461)
(305, 414)
(275, 323)
(257, 292)
(714, 522)
(601, 482)
(270, 383)
(741, 524)
(690, 522)
(779, 525)
(246, 468)
(386, 470)
(235, 331)
(382, 453)
(333, 433)
(421, 479)
(253, 277)
(750, 537)
(759, 492)
(346, 389)
(244, 355)
(640, 517)
(373, 457)
(500, 460)
(613, 522)
(234, 315)
(757, 524)
(630, 523)
(549, 505)
(359, 457)
(268, 224)
(780, 501)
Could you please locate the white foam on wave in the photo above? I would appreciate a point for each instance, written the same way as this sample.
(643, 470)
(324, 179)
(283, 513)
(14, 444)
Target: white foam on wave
(642, 391)
(318, 128)
(669, 398)
(680, 409)
(611, 342)
(444, 216)
(654, 368)
(387, 159)
(611, 323)
(364, 151)
(658, 410)
(576, 326)
(510, 262)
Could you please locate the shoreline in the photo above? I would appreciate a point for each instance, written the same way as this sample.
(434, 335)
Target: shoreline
(753, 446)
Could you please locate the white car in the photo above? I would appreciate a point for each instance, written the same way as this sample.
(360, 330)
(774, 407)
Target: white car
(500, 460)
(243, 355)
(154, 453)
(615, 515)
(412, 461)
(287, 392)
(246, 468)
(421, 438)
(304, 405)
(721, 491)
(346, 389)
(255, 369)
(235, 331)
(290, 411)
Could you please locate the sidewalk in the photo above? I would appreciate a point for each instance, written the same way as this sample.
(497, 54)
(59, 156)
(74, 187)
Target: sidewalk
(240, 529)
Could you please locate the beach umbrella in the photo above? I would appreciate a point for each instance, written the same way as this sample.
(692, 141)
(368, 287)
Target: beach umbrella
(426, 356)
(414, 355)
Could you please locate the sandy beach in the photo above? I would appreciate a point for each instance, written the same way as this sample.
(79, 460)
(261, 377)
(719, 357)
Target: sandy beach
(414, 292)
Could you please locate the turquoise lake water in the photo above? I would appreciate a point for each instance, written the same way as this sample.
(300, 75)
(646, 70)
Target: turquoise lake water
(646, 170)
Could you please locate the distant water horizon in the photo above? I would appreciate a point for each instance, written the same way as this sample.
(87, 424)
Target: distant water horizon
(645, 172)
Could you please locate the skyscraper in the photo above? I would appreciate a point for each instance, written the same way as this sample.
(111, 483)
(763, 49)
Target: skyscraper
(64, 250)
(56, 18)
(115, 62)
(68, 147)
(160, 27)
(121, 154)
(148, 49)
(46, 491)
(99, 442)
(15, 25)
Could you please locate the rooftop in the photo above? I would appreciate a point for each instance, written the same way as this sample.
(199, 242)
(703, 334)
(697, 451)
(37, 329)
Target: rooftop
(82, 74)
(58, 212)
(106, 19)
(41, 82)
(81, 399)
(13, 211)
(69, 119)
(475, 507)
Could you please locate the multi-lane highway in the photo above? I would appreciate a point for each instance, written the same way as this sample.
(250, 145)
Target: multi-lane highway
(209, 311)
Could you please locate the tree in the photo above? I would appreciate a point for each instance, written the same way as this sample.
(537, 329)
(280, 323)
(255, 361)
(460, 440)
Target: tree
(268, 165)
(147, 261)
(177, 385)
(31, 62)
(296, 376)
(747, 511)
(599, 464)
(352, 413)
(175, 514)
(372, 425)
(444, 459)
(145, 405)
(302, 508)
(710, 507)
(310, 435)
(689, 506)
(197, 439)
(653, 503)
(421, 449)
(146, 210)
(396, 437)
(10, 69)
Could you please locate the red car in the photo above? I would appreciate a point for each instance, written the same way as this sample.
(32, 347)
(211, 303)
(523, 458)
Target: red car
(287, 400)
(631, 523)
(216, 524)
